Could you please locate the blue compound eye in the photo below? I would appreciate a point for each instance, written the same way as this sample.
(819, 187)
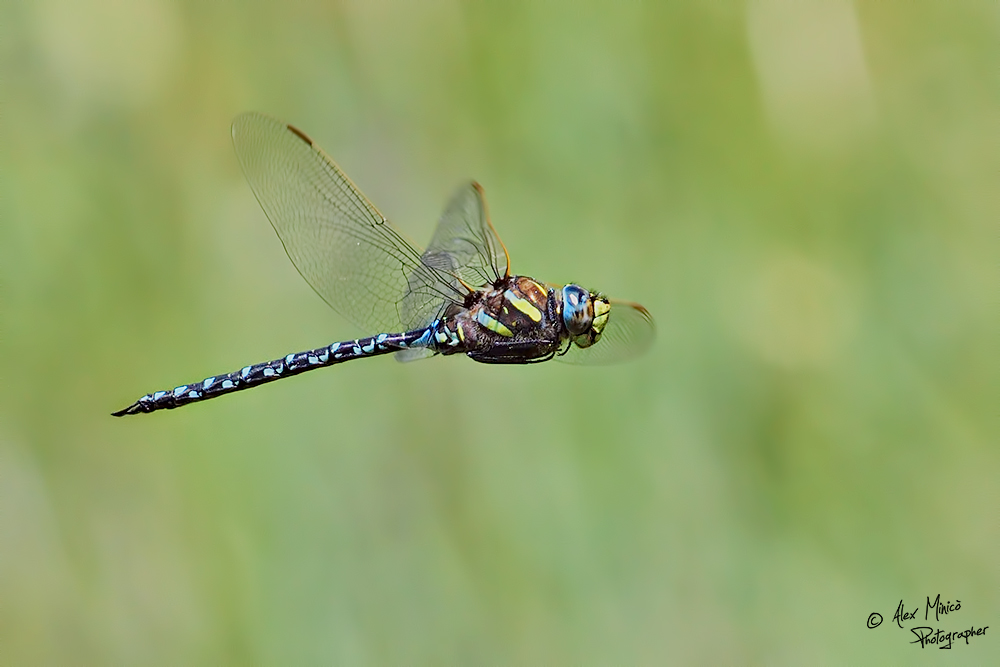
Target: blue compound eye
(578, 310)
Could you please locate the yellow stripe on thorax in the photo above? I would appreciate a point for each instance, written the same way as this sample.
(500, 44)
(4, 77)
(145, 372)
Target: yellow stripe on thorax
(493, 324)
(524, 306)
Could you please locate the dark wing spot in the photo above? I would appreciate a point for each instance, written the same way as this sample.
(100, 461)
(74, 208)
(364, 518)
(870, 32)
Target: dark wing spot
(300, 134)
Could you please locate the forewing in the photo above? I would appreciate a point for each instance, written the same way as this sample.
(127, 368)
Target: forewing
(356, 260)
(629, 333)
(465, 248)
(465, 243)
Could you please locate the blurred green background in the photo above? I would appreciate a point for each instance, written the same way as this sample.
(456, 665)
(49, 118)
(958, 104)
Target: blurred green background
(803, 195)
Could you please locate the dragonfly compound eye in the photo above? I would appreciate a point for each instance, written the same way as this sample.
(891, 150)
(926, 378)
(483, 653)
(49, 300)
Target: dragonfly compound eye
(577, 311)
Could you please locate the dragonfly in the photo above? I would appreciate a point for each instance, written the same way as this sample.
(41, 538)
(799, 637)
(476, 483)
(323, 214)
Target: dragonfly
(456, 297)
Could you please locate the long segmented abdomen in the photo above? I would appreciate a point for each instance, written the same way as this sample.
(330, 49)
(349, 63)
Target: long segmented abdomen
(287, 366)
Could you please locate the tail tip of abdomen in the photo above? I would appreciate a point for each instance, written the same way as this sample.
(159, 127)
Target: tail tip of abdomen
(133, 409)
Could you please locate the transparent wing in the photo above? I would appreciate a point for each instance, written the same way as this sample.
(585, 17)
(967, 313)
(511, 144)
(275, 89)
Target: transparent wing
(465, 240)
(465, 246)
(629, 333)
(414, 354)
(355, 259)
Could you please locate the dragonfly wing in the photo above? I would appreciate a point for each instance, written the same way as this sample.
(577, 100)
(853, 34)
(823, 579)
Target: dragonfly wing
(629, 333)
(414, 354)
(354, 258)
(465, 246)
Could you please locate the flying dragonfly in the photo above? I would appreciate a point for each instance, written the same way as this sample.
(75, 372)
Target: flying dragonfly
(457, 296)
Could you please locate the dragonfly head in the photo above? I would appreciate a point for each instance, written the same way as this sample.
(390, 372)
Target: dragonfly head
(584, 313)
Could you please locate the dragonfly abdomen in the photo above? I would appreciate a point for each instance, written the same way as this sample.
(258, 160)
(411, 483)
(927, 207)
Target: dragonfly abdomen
(276, 369)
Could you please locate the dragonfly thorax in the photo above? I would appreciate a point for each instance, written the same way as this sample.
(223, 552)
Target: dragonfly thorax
(521, 320)
(513, 307)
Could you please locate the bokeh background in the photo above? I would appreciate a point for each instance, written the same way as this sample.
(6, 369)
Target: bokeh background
(803, 195)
